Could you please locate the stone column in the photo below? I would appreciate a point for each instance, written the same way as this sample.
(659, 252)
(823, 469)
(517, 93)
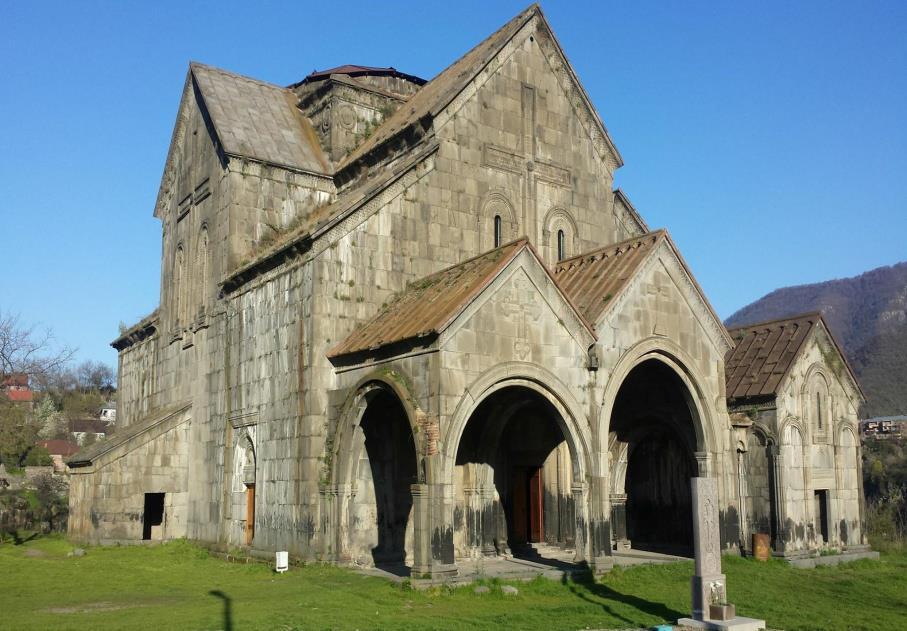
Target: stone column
(776, 455)
(433, 548)
(601, 560)
(487, 519)
(619, 521)
(581, 522)
(708, 583)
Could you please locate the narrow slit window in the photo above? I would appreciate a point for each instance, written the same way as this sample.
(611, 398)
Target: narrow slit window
(819, 409)
(561, 246)
(498, 231)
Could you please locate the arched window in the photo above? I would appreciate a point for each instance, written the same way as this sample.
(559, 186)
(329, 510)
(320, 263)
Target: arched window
(561, 245)
(498, 231)
(819, 409)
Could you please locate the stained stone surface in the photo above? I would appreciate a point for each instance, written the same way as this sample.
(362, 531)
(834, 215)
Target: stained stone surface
(515, 417)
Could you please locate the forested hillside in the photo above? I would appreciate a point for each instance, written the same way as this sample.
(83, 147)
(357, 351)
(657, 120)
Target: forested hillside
(867, 314)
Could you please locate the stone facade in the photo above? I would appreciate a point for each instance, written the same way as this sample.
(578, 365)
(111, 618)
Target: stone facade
(504, 397)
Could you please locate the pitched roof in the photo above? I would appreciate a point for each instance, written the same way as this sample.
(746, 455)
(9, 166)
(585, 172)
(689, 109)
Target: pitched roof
(428, 305)
(592, 280)
(14, 379)
(766, 352)
(63, 448)
(258, 120)
(88, 426)
(441, 90)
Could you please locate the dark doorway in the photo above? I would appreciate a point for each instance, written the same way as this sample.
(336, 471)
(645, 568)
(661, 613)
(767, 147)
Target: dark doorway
(659, 504)
(392, 459)
(654, 418)
(515, 456)
(821, 508)
(153, 515)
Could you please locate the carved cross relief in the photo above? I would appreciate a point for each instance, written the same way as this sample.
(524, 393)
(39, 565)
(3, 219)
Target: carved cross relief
(518, 303)
(525, 162)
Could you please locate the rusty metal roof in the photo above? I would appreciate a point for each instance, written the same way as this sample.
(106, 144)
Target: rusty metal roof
(764, 354)
(259, 120)
(592, 280)
(428, 305)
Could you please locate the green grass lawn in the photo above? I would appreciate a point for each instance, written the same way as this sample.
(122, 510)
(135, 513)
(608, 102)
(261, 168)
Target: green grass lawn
(178, 586)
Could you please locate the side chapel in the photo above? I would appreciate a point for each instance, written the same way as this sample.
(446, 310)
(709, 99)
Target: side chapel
(409, 321)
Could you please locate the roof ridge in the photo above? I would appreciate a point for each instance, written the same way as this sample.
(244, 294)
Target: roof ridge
(756, 325)
(197, 64)
(660, 232)
(471, 259)
(401, 114)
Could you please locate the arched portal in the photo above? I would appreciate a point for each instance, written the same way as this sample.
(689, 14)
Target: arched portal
(653, 444)
(513, 477)
(383, 473)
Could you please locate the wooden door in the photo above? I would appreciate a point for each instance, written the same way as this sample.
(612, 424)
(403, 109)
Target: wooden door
(250, 514)
(536, 506)
(520, 515)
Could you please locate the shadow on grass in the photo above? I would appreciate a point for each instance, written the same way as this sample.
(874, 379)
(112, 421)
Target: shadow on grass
(19, 540)
(584, 586)
(228, 612)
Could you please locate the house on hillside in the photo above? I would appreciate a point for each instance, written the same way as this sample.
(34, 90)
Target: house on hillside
(16, 388)
(88, 430)
(59, 450)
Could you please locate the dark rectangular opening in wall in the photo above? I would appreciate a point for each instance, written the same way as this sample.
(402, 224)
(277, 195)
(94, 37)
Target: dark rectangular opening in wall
(821, 499)
(153, 514)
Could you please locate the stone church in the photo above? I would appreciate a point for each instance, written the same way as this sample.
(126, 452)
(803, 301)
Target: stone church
(412, 322)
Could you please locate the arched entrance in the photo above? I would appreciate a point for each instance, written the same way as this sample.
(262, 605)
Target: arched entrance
(384, 469)
(653, 441)
(513, 478)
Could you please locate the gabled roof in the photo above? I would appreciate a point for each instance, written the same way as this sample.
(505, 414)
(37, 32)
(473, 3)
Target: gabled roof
(258, 120)
(63, 448)
(442, 89)
(766, 352)
(592, 280)
(429, 305)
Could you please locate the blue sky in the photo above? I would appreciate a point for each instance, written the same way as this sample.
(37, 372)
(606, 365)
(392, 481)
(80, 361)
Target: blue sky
(769, 138)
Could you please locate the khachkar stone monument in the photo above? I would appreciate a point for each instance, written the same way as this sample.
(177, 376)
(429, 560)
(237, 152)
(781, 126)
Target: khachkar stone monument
(711, 609)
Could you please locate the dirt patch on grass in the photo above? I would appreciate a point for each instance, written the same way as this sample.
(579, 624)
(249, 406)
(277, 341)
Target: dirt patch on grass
(91, 608)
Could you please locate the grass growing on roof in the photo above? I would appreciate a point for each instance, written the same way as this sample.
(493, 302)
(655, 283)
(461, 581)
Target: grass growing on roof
(179, 586)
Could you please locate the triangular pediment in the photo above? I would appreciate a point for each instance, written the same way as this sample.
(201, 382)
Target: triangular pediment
(443, 96)
(649, 272)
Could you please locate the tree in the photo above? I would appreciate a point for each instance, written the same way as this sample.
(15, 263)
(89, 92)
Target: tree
(27, 351)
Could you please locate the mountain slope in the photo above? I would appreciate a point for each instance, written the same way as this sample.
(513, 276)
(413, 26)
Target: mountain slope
(868, 315)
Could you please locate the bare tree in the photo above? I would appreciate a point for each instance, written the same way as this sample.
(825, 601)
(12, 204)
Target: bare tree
(26, 350)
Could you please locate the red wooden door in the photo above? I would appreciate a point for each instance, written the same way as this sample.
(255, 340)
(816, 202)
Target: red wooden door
(520, 506)
(536, 506)
(250, 514)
